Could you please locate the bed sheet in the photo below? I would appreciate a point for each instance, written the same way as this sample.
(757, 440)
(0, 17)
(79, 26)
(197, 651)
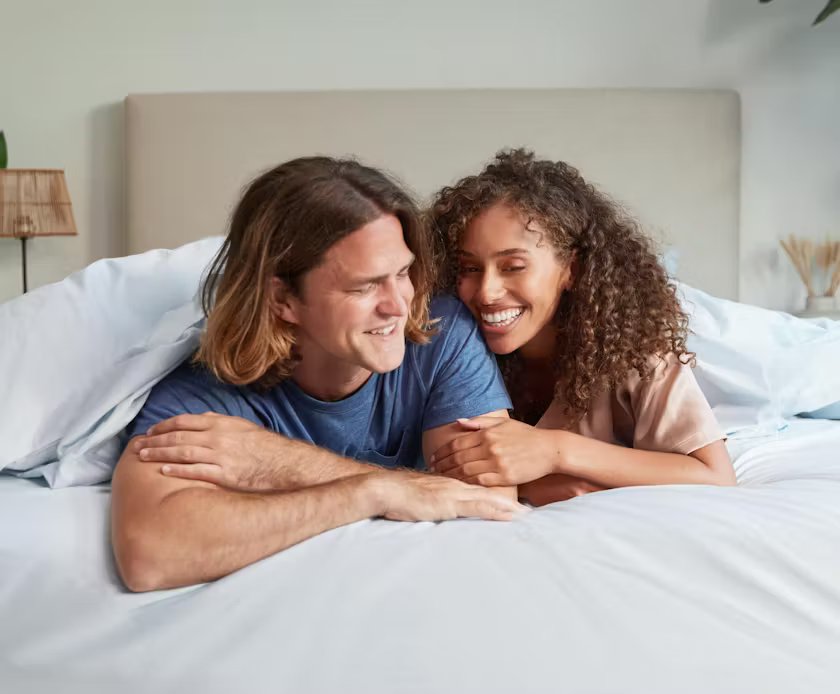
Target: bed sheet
(648, 589)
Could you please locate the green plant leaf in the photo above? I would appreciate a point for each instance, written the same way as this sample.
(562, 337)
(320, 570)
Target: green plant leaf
(4, 153)
(830, 8)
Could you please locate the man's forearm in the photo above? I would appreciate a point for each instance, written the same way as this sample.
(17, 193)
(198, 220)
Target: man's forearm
(300, 464)
(199, 534)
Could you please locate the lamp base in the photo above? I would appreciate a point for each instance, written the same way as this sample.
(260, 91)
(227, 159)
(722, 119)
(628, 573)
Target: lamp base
(23, 260)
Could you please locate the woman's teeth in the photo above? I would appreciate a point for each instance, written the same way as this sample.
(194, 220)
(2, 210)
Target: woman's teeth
(505, 317)
(383, 331)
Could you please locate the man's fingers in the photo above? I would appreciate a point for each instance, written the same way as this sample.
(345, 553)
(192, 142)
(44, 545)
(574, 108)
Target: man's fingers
(179, 454)
(201, 472)
(482, 422)
(172, 438)
(189, 422)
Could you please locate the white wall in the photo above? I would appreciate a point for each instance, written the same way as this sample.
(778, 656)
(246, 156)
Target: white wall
(66, 66)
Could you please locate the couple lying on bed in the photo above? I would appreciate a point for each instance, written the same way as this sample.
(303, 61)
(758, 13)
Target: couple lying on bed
(328, 381)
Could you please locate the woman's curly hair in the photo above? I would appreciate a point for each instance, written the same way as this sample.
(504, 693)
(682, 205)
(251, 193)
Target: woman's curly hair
(621, 312)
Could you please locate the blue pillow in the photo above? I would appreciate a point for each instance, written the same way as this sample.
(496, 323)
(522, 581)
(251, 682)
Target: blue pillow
(827, 412)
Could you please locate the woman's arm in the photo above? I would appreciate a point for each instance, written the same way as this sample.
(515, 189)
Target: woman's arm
(612, 465)
(506, 452)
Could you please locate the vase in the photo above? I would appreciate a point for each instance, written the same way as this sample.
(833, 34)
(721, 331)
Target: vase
(821, 307)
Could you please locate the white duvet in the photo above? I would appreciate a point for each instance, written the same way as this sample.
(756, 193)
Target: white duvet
(659, 589)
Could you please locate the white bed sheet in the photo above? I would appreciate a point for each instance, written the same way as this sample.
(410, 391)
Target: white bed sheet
(668, 589)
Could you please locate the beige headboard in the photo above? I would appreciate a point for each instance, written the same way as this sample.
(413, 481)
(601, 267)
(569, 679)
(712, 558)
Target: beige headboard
(671, 156)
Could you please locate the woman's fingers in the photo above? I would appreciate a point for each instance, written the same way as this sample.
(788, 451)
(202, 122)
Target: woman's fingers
(487, 479)
(464, 454)
(468, 469)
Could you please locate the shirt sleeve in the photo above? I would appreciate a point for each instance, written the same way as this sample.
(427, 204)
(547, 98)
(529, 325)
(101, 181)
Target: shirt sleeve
(189, 389)
(465, 379)
(672, 414)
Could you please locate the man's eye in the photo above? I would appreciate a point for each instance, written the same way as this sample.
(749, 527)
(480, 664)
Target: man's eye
(366, 289)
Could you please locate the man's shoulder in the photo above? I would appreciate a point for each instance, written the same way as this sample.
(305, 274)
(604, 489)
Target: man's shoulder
(450, 318)
(454, 328)
(194, 380)
(191, 373)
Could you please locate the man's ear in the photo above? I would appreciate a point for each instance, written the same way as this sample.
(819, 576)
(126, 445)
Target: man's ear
(282, 302)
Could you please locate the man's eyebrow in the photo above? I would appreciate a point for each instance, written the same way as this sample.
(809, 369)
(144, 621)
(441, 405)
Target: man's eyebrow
(507, 251)
(380, 278)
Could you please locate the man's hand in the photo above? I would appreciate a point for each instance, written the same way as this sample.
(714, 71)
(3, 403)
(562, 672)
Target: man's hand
(501, 452)
(409, 496)
(227, 451)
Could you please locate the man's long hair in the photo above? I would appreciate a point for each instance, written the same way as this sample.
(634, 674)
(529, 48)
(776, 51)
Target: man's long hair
(282, 227)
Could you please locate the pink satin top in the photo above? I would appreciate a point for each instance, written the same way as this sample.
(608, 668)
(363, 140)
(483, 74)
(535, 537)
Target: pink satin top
(668, 413)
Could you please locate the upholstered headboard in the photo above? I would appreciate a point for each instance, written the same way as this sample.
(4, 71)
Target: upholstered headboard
(672, 157)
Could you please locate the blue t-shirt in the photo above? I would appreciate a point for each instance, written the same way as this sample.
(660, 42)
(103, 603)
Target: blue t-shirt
(453, 376)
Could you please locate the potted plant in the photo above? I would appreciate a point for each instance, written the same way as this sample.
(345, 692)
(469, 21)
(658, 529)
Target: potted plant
(830, 8)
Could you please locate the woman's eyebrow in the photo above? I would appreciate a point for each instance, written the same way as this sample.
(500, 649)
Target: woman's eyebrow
(507, 251)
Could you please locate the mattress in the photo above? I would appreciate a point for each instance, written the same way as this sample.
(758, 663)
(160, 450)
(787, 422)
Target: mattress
(646, 589)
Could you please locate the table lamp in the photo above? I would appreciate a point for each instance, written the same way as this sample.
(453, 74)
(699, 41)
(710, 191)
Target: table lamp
(34, 202)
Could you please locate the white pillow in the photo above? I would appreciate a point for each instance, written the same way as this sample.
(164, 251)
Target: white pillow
(759, 367)
(69, 351)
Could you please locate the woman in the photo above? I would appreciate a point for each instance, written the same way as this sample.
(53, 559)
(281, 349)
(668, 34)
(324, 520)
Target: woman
(589, 335)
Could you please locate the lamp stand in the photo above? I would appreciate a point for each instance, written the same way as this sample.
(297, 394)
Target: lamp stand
(23, 260)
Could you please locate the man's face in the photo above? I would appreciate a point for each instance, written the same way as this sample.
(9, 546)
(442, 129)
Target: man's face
(352, 309)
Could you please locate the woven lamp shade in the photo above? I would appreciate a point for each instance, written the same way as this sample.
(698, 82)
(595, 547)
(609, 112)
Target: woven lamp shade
(35, 202)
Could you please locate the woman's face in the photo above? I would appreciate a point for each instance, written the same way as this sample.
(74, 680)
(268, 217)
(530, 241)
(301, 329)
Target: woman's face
(511, 279)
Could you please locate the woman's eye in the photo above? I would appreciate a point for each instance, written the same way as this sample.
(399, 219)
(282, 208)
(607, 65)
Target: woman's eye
(514, 268)
(464, 269)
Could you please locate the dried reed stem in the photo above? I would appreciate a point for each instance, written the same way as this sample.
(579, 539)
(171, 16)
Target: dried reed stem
(800, 252)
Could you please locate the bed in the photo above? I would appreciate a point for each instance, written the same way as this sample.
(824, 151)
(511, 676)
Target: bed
(666, 589)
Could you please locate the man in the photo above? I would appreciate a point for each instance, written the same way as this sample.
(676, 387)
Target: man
(320, 377)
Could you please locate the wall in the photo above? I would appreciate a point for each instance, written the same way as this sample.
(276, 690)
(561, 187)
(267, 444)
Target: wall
(65, 68)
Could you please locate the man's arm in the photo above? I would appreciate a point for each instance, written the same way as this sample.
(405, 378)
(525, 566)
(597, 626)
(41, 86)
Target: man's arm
(235, 453)
(169, 532)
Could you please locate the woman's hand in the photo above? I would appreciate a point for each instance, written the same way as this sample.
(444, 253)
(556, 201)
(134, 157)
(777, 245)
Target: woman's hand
(499, 452)
(557, 487)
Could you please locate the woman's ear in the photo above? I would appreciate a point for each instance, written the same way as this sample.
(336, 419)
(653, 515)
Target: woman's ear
(574, 268)
(567, 281)
(281, 301)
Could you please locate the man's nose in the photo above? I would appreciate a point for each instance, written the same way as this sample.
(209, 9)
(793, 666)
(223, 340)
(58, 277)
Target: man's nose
(392, 302)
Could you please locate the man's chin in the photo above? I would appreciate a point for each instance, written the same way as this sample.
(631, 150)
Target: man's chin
(384, 365)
